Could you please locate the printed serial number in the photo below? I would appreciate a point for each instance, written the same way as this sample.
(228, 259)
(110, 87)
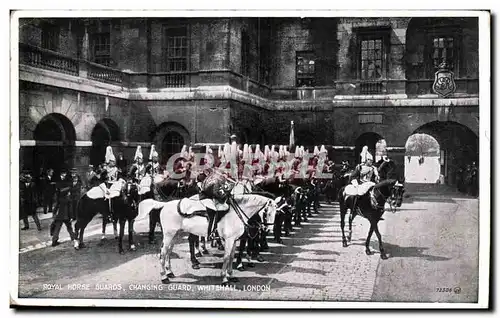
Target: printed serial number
(444, 289)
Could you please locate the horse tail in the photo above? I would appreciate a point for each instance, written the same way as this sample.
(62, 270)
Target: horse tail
(146, 206)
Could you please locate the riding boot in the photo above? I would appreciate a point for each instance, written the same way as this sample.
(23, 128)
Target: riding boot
(211, 220)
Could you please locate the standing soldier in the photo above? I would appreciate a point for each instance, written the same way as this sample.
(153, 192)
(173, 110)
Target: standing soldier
(49, 185)
(27, 200)
(62, 212)
(92, 178)
(121, 163)
(138, 169)
(75, 193)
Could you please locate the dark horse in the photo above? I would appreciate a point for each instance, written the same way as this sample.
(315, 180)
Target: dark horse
(389, 189)
(124, 210)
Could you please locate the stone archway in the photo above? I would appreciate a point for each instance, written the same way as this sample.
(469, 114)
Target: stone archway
(375, 142)
(458, 146)
(55, 138)
(104, 133)
(169, 137)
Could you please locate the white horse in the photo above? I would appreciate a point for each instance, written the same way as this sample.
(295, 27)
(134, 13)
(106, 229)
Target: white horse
(230, 226)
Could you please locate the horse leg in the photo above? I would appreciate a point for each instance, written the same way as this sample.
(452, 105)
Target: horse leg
(120, 238)
(170, 274)
(352, 215)
(104, 223)
(165, 247)
(227, 262)
(204, 245)
(230, 267)
(381, 246)
(239, 262)
(343, 212)
(115, 228)
(197, 246)
(195, 264)
(131, 234)
(367, 243)
(79, 229)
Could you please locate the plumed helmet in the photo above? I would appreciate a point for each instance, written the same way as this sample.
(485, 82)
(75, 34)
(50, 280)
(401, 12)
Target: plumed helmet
(323, 149)
(109, 154)
(258, 153)
(153, 153)
(316, 150)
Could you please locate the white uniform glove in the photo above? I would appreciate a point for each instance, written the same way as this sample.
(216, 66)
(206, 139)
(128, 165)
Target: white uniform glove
(355, 182)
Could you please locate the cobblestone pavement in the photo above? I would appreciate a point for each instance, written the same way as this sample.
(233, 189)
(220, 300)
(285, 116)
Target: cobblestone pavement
(433, 248)
(431, 242)
(310, 265)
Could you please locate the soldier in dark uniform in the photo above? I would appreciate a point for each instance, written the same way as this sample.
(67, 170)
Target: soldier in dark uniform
(121, 163)
(75, 192)
(215, 187)
(62, 213)
(49, 185)
(27, 200)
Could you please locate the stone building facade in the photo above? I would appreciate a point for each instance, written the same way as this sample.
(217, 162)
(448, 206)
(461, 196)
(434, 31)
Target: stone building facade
(345, 82)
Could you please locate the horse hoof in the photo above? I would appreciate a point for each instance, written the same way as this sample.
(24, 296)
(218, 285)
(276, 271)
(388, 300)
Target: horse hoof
(195, 266)
(240, 267)
(344, 244)
(205, 252)
(170, 275)
(383, 256)
(133, 248)
(368, 252)
(198, 254)
(165, 281)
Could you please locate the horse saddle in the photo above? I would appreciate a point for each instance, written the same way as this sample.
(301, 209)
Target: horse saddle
(145, 186)
(102, 191)
(192, 206)
(359, 190)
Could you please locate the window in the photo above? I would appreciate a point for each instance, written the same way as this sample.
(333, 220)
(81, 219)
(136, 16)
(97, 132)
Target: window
(305, 69)
(176, 49)
(245, 53)
(102, 52)
(172, 144)
(50, 37)
(101, 42)
(372, 59)
(442, 51)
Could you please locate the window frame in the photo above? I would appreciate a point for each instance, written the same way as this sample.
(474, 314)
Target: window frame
(167, 48)
(433, 32)
(305, 76)
(50, 32)
(367, 34)
(101, 29)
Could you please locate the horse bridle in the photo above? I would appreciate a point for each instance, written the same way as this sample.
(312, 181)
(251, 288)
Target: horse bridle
(240, 213)
(393, 208)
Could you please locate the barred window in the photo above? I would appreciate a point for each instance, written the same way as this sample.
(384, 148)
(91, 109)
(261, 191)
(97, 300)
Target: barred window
(50, 37)
(442, 51)
(305, 69)
(372, 59)
(176, 49)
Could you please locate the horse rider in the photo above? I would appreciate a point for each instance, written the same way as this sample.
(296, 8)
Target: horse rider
(27, 200)
(215, 186)
(137, 170)
(112, 174)
(155, 165)
(361, 179)
(121, 163)
(62, 212)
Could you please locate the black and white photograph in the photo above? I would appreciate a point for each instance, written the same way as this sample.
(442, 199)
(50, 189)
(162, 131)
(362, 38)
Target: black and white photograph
(239, 159)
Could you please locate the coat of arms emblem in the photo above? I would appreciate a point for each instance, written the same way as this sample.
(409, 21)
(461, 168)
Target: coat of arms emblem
(444, 82)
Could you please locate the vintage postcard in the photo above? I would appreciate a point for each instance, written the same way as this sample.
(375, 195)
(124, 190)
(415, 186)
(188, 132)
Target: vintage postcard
(242, 159)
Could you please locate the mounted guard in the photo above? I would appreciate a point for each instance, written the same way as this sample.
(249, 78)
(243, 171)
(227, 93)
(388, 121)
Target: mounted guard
(361, 179)
(138, 169)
